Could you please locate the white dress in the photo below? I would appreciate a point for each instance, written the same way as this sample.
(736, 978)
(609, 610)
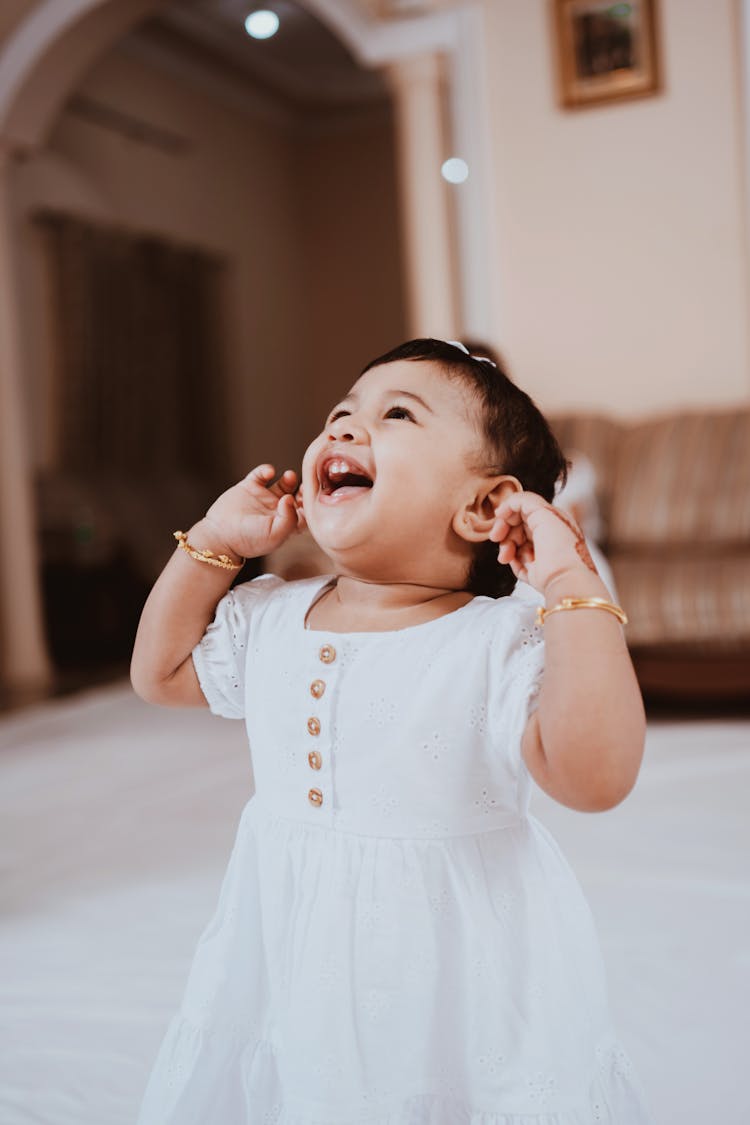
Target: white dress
(397, 941)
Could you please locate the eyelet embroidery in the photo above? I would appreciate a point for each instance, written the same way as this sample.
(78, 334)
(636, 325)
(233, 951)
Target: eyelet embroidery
(435, 746)
(485, 801)
(431, 829)
(616, 1059)
(478, 718)
(441, 902)
(384, 801)
(492, 1061)
(479, 968)
(541, 1087)
(371, 914)
(374, 1098)
(381, 711)
(328, 974)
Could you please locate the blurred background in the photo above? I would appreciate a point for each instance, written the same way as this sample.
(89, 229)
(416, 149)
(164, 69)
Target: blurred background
(213, 213)
(206, 229)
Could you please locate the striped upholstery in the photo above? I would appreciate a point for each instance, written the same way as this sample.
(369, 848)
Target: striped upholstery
(675, 494)
(683, 601)
(683, 479)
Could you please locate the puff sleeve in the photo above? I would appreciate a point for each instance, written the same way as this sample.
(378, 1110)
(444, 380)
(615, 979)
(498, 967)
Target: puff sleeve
(517, 673)
(220, 657)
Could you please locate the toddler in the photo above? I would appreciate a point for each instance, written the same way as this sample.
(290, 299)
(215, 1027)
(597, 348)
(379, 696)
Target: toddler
(397, 941)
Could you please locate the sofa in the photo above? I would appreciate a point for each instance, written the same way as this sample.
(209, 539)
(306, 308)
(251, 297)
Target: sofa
(673, 497)
(674, 500)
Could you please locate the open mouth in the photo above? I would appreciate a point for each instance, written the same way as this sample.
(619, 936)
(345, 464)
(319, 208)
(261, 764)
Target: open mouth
(340, 477)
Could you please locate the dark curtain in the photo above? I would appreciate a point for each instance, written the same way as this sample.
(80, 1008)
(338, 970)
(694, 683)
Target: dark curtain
(139, 407)
(139, 385)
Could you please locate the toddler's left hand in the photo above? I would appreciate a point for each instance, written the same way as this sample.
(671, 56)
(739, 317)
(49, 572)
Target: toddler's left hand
(539, 542)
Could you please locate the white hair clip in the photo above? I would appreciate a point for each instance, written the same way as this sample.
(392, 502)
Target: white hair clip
(481, 358)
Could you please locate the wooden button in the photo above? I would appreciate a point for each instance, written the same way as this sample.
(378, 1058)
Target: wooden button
(313, 725)
(315, 797)
(317, 687)
(327, 654)
(315, 760)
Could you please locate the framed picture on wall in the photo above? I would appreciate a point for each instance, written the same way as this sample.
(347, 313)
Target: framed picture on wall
(605, 51)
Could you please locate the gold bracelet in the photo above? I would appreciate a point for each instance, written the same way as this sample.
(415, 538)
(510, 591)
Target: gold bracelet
(206, 555)
(582, 603)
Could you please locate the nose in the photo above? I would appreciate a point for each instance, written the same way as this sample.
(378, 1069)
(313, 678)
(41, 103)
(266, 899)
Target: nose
(347, 428)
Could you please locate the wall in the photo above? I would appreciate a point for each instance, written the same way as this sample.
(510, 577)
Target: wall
(251, 187)
(353, 290)
(621, 245)
(229, 191)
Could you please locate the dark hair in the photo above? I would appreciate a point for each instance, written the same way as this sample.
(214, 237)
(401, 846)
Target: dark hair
(519, 440)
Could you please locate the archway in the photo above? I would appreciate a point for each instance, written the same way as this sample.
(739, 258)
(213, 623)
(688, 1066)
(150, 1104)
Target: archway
(41, 63)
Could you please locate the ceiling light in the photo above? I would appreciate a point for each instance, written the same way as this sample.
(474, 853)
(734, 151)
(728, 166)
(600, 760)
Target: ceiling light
(455, 170)
(262, 24)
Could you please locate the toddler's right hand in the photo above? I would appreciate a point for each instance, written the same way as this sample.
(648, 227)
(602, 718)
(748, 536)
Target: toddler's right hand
(255, 516)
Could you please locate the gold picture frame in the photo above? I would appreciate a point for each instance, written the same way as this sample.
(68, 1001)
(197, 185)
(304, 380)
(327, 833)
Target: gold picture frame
(606, 51)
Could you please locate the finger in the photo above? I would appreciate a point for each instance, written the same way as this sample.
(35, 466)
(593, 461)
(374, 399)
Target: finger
(261, 474)
(525, 554)
(505, 521)
(286, 483)
(519, 570)
(502, 526)
(519, 506)
(284, 519)
(501, 531)
(288, 480)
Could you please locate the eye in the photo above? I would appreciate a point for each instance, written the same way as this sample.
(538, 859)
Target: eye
(400, 412)
(337, 414)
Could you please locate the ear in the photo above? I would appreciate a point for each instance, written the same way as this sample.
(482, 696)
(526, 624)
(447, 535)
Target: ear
(473, 522)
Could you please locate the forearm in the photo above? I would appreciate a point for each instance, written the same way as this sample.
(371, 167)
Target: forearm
(177, 613)
(590, 717)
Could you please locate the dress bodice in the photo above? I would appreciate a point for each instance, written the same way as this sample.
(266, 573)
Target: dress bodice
(409, 733)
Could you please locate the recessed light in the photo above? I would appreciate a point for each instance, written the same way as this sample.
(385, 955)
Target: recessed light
(455, 170)
(262, 24)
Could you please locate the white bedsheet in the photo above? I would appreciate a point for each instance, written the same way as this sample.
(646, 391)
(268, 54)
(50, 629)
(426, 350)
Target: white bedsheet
(116, 822)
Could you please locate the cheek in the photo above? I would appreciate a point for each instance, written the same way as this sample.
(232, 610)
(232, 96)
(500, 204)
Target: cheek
(308, 461)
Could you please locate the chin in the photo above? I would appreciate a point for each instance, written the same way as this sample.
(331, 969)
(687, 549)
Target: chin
(350, 555)
(335, 546)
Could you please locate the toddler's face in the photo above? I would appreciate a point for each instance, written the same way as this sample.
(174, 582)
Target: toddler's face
(384, 479)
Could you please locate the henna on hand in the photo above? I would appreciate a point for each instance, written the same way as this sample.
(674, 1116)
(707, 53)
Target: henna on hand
(581, 549)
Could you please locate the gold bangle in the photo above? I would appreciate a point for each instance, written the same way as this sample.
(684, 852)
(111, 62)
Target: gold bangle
(206, 555)
(582, 603)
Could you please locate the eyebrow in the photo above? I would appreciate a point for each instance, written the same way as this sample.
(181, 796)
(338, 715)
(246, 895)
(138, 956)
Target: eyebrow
(393, 394)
